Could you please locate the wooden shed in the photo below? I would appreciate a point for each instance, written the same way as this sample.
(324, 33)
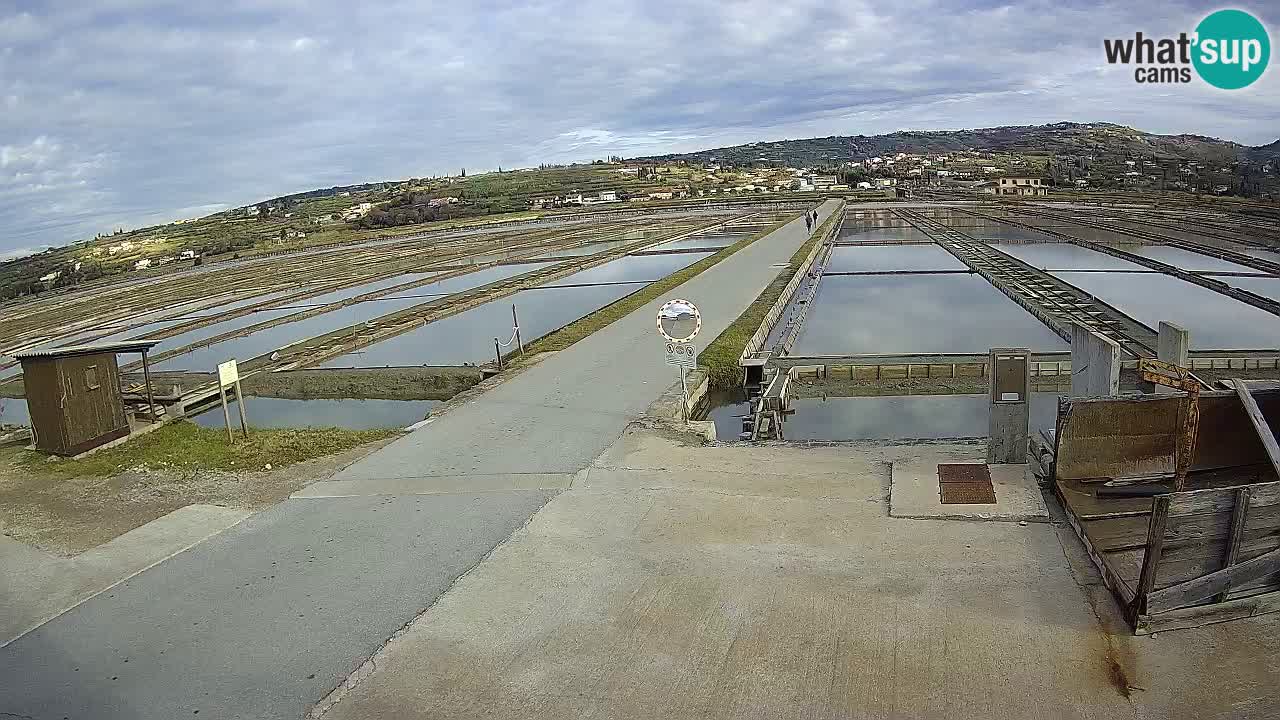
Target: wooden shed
(74, 397)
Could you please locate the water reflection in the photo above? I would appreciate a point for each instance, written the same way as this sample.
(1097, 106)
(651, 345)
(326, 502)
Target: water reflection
(468, 336)
(892, 257)
(917, 313)
(344, 413)
(264, 341)
(886, 417)
(1216, 322)
(894, 234)
(1065, 256)
(1186, 259)
(1265, 286)
(13, 411)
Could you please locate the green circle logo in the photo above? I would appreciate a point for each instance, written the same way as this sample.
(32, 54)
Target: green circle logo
(1232, 49)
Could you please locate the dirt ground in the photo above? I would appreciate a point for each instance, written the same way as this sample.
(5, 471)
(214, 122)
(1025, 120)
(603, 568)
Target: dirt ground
(68, 515)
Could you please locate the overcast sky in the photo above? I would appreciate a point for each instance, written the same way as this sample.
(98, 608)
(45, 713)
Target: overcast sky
(133, 112)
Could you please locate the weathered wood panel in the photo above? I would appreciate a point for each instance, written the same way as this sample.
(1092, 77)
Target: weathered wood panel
(43, 388)
(1208, 614)
(1191, 591)
(1100, 438)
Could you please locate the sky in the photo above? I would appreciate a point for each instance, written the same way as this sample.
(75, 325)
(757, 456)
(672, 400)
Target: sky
(126, 113)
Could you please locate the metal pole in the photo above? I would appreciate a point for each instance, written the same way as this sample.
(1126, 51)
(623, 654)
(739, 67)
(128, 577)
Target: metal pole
(684, 387)
(497, 350)
(226, 414)
(146, 376)
(244, 424)
(516, 321)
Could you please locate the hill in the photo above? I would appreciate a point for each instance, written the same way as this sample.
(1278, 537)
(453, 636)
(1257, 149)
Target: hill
(1100, 140)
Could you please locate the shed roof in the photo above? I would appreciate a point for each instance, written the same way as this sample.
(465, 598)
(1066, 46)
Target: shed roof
(127, 346)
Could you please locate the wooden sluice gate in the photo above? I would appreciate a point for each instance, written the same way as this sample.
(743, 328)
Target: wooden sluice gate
(1175, 554)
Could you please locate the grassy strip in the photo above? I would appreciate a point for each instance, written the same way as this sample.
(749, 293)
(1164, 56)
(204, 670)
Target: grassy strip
(618, 309)
(185, 445)
(720, 358)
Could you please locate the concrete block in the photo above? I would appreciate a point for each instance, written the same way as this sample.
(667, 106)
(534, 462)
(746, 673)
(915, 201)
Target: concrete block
(1095, 364)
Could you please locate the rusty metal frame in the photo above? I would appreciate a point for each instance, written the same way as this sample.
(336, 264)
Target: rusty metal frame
(1167, 374)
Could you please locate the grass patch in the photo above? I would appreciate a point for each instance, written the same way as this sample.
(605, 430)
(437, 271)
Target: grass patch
(720, 358)
(185, 445)
(618, 309)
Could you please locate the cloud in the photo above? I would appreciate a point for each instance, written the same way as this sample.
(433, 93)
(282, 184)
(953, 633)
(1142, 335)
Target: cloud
(125, 112)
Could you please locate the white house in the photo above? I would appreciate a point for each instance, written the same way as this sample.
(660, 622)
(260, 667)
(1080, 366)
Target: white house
(142, 264)
(1022, 185)
(864, 185)
(187, 255)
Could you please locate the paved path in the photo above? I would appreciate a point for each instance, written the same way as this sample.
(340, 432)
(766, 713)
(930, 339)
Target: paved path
(266, 618)
(554, 419)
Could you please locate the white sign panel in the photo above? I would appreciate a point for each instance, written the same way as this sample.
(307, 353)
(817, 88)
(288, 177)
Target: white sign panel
(228, 374)
(681, 354)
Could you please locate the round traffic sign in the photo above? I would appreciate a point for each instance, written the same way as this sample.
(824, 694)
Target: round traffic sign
(679, 321)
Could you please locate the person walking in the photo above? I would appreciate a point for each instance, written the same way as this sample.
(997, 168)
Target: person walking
(808, 222)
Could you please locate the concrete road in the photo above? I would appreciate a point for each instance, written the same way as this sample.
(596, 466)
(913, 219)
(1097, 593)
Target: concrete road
(694, 583)
(262, 620)
(556, 417)
(265, 619)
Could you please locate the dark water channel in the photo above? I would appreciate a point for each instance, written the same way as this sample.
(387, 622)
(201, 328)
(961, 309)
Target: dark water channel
(881, 417)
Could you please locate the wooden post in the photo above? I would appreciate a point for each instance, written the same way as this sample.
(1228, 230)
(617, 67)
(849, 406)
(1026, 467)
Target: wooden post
(1239, 514)
(497, 351)
(244, 424)
(226, 414)
(146, 376)
(1260, 426)
(515, 321)
(1151, 556)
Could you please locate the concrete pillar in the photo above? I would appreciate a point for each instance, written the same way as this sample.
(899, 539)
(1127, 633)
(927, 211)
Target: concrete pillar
(1010, 396)
(1095, 363)
(1174, 346)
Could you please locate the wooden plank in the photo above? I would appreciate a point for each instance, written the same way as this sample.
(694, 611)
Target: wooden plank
(1200, 588)
(1260, 424)
(1199, 502)
(1208, 614)
(1122, 590)
(1151, 558)
(1238, 515)
(1188, 562)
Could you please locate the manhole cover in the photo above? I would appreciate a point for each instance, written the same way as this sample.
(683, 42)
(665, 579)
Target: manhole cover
(964, 472)
(967, 494)
(965, 484)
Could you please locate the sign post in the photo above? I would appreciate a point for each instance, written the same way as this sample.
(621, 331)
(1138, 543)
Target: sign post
(229, 376)
(679, 322)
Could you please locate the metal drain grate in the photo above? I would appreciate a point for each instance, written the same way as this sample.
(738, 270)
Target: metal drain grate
(965, 484)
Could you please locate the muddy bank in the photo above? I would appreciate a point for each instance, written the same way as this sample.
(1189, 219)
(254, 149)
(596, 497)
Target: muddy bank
(844, 387)
(865, 383)
(414, 383)
(407, 383)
